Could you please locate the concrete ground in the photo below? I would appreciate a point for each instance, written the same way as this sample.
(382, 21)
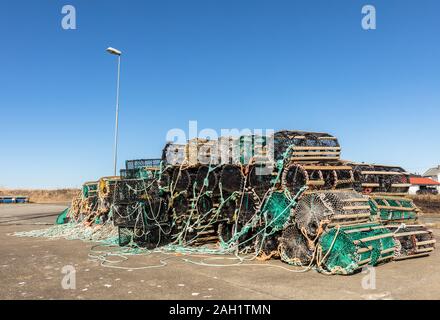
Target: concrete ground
(31, 268)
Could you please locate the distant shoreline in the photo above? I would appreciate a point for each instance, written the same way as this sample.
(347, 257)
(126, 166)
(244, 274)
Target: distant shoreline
(46, 196)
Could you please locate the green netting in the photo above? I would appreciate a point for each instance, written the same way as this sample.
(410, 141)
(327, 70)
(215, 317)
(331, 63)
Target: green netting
(248, 144)
(88, 188)
(390, 214)
(144, 173)
(62, 217)
(277, 209)
(85, 191)
(347, 249)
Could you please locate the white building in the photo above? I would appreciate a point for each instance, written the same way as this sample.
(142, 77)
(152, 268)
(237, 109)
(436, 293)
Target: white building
(433, 173)
(422, 185)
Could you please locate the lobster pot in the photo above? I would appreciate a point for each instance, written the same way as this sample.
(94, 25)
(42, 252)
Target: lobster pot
(241, 225)
(201, 151)
(277, 210)
(346, 249)
(294, 247)
(133, 190)
(267, 245)
(75, 208)
(413, 241)
(148, 173)
(127, 215)
(228, 209)
(326, 209)
(151, 237)
(207, 178)
(90, 189)
(229, 150)
(174, 154)
(89, 206)
(260, 177)
(141, 214)
(183, 179)
(380, 179)
(393, 209)
(164, 179)
(254, 148)
(125, 236)
(231, 178)
(196, 219)
(142, 163)
(300, 146)
(179, 205)
(238, 210)
(106, 187)
(247, 208)
(320, 176)
(128, 173)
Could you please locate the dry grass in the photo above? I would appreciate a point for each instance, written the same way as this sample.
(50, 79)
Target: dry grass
(43, 196)
(428, 203)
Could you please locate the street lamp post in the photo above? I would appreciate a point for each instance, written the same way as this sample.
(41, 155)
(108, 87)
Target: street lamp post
(117, 53)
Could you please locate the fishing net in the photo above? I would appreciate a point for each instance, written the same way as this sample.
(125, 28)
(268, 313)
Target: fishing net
(106, 233)
(63, 217)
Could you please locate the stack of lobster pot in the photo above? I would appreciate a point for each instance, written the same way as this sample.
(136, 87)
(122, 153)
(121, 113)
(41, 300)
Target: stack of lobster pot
(311, 159)
(139, 209)
(203, 193)
(387, 188)
(334, 208)
(400, 215)
(380, 179)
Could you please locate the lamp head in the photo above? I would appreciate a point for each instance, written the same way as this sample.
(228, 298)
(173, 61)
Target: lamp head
(114, 51)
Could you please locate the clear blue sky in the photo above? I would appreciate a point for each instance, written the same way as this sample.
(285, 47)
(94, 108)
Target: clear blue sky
(227, 64)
